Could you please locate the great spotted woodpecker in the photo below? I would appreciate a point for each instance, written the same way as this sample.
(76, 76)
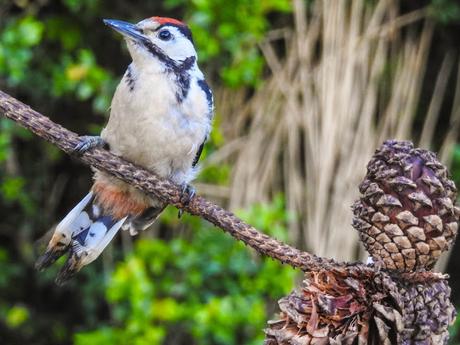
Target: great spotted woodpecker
(160, 118)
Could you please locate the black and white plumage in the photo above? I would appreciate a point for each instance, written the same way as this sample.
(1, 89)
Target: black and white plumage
(160, 118)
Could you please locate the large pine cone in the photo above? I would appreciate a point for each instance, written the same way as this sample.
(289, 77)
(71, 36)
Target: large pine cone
(335, 309)
(406, 215)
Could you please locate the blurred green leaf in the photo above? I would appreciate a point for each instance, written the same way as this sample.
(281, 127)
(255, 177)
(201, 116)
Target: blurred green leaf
(16, 42)
(16, 316)
(228, 32)
(445, 11)
(12, 187)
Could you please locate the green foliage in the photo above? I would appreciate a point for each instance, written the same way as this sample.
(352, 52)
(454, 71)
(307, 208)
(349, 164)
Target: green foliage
(455, 168)
(216, 174)
(206, 288)
(12, 187)
(9, 269)
(200, 287)
(28, 57)
(226, 35)
(16, 316)
(445, 11)
(11, 314)
(77, 6)
(454, 332)
(57, 56)
(5, 139)
(19, 316)
(16, 43)
(80, 75)
(227, 32)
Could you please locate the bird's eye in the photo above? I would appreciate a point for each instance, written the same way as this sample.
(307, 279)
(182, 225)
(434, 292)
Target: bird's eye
(165, 35)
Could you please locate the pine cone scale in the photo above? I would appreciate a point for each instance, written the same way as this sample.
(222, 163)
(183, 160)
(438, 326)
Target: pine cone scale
(406, 215)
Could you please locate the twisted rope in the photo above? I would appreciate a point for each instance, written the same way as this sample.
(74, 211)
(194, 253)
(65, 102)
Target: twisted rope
(170, 193)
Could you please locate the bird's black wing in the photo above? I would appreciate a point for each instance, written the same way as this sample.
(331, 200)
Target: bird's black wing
(210, 99)
(198, 154)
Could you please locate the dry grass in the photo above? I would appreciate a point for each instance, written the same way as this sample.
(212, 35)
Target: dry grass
(351, 76)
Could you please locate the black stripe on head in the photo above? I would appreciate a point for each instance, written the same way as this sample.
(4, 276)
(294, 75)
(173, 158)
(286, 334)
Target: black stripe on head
(183, 77)
(160, 54)
(184, 30)
(185, 65)
(171, 65)
(179, 69)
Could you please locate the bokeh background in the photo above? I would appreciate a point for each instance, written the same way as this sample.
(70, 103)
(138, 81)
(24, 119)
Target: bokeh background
(305, 91)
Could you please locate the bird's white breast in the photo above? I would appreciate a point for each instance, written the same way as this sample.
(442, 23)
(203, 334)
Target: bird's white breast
(150, 127)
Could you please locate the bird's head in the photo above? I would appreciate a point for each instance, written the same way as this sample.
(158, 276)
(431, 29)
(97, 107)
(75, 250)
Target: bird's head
(157, 40)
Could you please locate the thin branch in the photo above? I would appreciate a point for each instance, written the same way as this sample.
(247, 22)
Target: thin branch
(171, 193)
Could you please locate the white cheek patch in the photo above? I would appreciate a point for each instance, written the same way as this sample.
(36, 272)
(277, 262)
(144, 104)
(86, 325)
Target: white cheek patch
(178, 48)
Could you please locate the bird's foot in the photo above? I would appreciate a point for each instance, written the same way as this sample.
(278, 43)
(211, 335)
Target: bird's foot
(187, 194)
(88, 142)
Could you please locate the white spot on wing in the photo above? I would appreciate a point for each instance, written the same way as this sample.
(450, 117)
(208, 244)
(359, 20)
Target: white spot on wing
(96, 211)
(81, 223)
(66, 225)
(95, 245)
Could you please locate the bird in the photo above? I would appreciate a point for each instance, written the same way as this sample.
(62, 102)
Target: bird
(160, 118)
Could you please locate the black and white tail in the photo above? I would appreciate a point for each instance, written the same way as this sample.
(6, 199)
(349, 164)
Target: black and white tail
(85, 232)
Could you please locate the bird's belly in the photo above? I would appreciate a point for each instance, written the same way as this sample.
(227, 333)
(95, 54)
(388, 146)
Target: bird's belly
(165, 146)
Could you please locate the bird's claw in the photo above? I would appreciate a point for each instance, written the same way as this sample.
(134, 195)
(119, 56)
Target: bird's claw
(88, 142)
(187, 194)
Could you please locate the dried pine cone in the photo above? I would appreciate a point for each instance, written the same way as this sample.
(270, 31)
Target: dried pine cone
(332, 308)
(327, 309)
(406, 215)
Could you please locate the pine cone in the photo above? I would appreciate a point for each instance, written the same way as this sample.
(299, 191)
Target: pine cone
(429, 312)
(412, 313)
(333, 308)
(327, 309)
(406, 215)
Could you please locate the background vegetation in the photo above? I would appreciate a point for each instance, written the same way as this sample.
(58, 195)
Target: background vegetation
(183, 282)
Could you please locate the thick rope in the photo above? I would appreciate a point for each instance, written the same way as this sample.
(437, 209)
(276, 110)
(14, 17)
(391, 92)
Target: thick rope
(170, 193)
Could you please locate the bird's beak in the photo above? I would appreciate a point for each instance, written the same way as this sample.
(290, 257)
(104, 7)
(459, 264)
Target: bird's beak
(128, 30)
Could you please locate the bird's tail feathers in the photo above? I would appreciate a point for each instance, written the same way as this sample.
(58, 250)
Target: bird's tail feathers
(84, 232)
(87, 245)
(90, 226)
(62, 236)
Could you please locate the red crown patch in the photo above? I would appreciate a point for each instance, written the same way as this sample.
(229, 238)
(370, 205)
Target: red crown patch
(165, 20)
